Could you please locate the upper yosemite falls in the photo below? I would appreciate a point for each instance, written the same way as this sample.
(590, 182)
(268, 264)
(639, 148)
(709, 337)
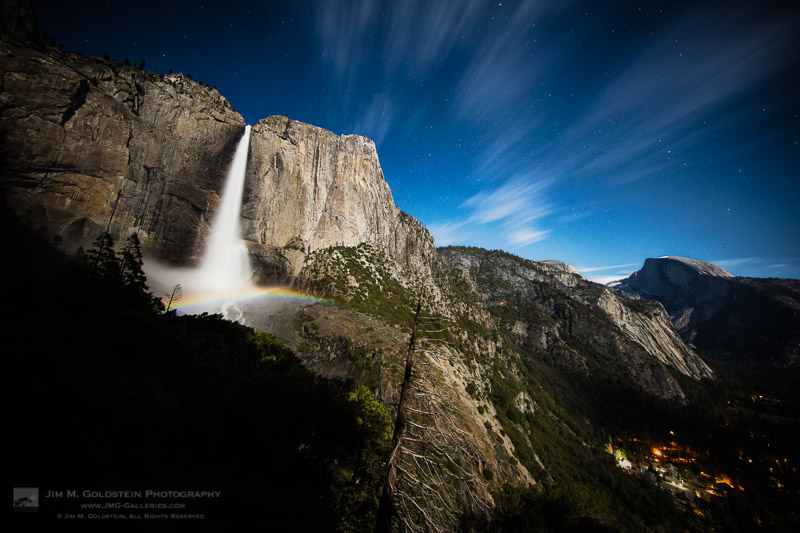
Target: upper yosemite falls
(229, 324)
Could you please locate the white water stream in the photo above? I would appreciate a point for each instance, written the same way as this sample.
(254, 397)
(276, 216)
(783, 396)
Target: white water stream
(226, 263)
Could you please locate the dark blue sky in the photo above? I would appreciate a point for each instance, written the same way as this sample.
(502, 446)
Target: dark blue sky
(595, 134)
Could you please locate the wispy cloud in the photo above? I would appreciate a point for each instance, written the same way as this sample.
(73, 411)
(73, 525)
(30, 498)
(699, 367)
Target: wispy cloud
(587, 269)
(447, 233)
(604, 280)
(525, 236)
(650, 115)
(761, 266)
(421, 34)
(547, 106)
(344, 29)
(492, 82)
(513, 211)
(623, 271)
(518, 200)
(737, 262)
(369, 46)
(378, 117)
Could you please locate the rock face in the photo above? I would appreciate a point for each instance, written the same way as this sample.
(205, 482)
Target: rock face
(89, 144)
(560, 266)
(309, 189)
(718, 312)
(680, 278)
(551, 311)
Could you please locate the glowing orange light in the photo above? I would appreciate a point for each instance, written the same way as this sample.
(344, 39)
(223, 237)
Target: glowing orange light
(726, 480)
(657, 451)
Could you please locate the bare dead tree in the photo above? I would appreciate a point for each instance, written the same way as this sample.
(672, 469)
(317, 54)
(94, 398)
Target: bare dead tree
(387, 507)
(440, 463)
(177, 294)
(433, 465)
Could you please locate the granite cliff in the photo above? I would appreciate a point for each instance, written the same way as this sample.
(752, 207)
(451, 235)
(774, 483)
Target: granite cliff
(309, 189)
(755, 317)
(89, 144)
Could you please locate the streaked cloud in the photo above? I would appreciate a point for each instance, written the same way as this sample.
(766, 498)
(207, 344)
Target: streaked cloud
(761, 266)
(514, 211)
(583, 269)
(604, 280)
(547, 113)
(526, 236)
(737, 262)
(650, 116)
(517, 200)
(779, 265)
(384, 52)
(449, 233)
(492, 82)
(378, 117)
(623, 271)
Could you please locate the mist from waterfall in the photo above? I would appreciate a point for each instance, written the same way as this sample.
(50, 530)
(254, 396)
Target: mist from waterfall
(226, 262)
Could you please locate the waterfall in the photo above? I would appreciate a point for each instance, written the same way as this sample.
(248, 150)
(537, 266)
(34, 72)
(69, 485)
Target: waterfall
(223, 276)
(226, 263)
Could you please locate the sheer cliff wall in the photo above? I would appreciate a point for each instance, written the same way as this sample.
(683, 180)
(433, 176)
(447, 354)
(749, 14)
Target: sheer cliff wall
(308, 188)
(89, 144)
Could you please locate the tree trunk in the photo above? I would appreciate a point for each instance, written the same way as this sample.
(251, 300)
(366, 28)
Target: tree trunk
(387, 504)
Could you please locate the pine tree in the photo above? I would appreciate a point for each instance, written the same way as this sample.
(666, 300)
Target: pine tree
(102, 258)
(79, 258)
(130, 258)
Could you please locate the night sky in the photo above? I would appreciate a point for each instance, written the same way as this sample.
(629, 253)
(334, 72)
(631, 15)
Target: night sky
(595, 134)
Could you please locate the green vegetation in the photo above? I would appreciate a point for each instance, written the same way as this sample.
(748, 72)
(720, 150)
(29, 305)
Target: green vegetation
(113, 393)
(645, 307)
(295, 243)
(728, 422)
(361, 278)
(580, 408)
(366, 354)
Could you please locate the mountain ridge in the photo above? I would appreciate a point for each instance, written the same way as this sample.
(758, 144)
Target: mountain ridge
(756, 317)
